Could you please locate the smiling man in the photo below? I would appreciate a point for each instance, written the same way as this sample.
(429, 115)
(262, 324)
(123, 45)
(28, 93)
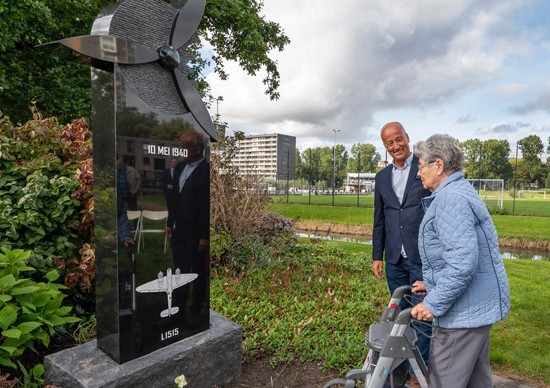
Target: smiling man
(397, 216)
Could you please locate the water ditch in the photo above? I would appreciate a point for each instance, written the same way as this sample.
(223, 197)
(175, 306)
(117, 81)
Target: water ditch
(507, 253)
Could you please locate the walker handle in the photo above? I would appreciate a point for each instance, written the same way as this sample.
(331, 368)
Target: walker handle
(404, 317)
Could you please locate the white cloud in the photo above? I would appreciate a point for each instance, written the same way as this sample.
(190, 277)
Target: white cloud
(354, 63)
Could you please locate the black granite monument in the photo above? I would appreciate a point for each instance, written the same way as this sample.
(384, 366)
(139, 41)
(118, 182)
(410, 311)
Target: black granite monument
(151, 136)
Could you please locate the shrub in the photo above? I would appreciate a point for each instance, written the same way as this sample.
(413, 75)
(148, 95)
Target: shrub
(243, 231)
(45, 196)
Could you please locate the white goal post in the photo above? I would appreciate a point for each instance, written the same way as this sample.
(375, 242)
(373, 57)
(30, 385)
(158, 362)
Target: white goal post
(490, 190)
(532, 194)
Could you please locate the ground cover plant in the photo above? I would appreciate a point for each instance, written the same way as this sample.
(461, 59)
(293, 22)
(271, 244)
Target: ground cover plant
(316, 302)
(31, 312)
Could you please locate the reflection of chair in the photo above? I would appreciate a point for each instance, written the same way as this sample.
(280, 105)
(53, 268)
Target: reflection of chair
(152, 216)
(132, 216)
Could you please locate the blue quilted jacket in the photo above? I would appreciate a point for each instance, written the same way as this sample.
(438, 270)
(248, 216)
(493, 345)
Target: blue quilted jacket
(462, 266)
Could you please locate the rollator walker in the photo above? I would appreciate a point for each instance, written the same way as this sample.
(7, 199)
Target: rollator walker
(391, 342)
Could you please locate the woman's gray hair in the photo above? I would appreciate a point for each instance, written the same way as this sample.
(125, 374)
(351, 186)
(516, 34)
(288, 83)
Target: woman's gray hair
(442, 147)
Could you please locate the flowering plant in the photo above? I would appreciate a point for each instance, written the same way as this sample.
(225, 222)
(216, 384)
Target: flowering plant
(180, 381)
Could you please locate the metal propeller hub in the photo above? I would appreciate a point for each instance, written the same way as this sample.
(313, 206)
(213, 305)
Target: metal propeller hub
(169, 58)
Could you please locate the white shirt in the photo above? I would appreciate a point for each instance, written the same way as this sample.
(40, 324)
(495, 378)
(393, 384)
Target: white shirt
(399, 179)
(187, 171)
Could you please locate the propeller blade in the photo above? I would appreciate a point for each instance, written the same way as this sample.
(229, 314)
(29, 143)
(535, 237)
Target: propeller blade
(193, 103)
(109, 48)
(186, 22)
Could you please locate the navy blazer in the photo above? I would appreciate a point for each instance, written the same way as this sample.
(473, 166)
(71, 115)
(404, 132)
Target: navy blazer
(168, 179)
(189, 209)
(396, 224)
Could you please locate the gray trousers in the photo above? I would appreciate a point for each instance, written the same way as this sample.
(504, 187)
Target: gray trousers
(460, 358)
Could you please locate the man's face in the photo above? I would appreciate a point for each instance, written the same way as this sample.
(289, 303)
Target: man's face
(396, 142)
(189, 143)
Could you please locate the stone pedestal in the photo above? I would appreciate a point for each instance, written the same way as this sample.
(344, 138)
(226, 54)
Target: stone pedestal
(210, 358)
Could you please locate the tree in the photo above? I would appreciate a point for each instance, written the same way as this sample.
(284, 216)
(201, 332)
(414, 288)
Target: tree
(487, 159)
(60, 88)
(340, 164)
(532, 169)
(366, 155)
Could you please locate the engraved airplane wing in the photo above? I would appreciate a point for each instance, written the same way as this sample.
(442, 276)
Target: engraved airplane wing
(153, 285)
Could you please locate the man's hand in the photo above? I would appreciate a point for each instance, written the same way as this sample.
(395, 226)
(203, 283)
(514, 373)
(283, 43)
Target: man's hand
(168, 231)
(419, 288)
(378, 269)
(129, 242)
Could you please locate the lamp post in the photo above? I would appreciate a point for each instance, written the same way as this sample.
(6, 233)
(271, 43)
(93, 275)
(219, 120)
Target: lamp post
(334, 164)
(218, 99)
(358, 175)
(217, 119)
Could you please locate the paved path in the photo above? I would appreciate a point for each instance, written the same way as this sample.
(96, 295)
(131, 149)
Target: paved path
(501, 382)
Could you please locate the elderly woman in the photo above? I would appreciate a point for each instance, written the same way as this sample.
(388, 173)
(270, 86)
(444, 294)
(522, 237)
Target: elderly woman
(464, 276)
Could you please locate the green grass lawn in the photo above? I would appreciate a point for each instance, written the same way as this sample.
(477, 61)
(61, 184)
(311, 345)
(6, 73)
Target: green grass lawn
(507, 226)
(521, 206)
(318, 304)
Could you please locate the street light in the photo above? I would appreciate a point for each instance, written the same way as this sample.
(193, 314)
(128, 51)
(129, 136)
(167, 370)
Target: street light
(334, 164)
(217, 120)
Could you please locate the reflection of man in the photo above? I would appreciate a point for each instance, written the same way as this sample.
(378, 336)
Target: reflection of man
(168, 183)
(123, 190)
(135, 186)
(189, 220)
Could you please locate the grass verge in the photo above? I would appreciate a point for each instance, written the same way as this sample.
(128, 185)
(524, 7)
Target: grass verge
(509, 227)
(316, 303)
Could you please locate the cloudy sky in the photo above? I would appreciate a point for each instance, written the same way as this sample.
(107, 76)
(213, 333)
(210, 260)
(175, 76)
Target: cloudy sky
(470, 68)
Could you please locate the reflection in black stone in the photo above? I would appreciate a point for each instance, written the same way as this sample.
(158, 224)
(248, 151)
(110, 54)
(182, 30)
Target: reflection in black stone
(148, 296)
(135, 319)
(188, 223)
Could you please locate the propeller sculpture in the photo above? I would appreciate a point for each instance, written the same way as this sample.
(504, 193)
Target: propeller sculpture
(143, 37)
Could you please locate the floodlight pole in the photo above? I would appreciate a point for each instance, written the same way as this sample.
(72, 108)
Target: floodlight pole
(358, 175)
(334, 164)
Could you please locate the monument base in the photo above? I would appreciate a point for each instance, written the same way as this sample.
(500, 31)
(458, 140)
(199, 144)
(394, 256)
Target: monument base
(210, 358)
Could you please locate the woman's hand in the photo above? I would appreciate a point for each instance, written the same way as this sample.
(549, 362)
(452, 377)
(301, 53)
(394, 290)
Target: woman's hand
(420, 312)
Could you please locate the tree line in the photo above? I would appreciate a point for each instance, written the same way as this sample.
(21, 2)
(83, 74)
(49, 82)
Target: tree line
(523, 164)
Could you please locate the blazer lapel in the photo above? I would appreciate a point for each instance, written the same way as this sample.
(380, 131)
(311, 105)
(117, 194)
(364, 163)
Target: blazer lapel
(177, 174)
(388, 184)
(412, 176)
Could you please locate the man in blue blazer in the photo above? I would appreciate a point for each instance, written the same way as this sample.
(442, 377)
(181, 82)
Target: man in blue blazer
(397, 216)
(189, 227)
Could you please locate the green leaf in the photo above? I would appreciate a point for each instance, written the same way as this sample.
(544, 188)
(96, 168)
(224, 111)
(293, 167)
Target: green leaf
(71, 319)
(38, 371)
(41, 300)
(7, 362)
(5, 298)
(7, 282)
(9, 349)
(8, 315)
(25, 290)
(52, 276)
(12, 333)
(56, 320)
(27, 327)
(42, 336)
